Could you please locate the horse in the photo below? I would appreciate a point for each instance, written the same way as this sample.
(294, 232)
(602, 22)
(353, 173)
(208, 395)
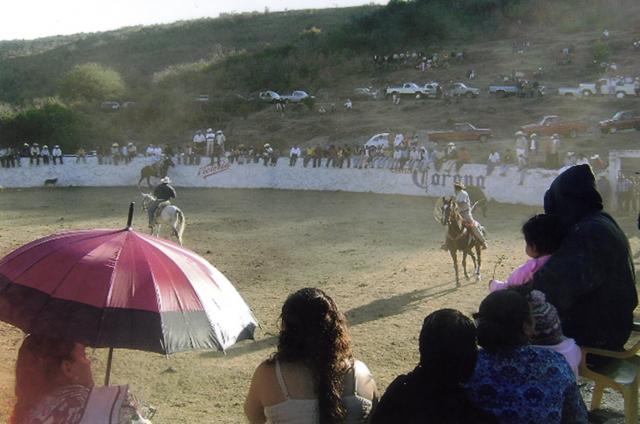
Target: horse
(460, 238)
(167, 214)
(157, 169)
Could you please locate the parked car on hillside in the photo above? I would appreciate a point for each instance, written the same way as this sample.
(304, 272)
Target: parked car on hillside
(553, 124)
(202, 98)
(617, 86)
(432, 90)
(269, 96)
(110, 106)
(378, 140)
(461, 132)
(507, 90)
(408, 88)
(459, 89)
(366, 93)
(620, 121)
(297, 96)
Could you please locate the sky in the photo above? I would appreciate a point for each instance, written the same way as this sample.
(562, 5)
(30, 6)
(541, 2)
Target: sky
(29, 19)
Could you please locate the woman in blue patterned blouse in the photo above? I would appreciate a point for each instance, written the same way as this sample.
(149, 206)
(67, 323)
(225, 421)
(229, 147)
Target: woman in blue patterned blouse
(516, 382)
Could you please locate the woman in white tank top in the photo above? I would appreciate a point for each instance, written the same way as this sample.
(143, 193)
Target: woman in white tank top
(312, 378)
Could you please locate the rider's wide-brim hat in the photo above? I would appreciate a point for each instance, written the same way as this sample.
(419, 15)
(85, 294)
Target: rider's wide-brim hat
(459, 185)
(165, 180)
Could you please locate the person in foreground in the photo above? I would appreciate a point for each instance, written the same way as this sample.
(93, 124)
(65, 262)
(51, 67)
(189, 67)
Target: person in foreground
(590, 279)
(54, 385)
(433, 392)
(312, 377)
(516, 382)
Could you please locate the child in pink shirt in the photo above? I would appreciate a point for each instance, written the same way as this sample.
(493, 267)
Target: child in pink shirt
(542, 235)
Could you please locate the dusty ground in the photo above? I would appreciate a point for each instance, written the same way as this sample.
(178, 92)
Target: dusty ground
(376, 255)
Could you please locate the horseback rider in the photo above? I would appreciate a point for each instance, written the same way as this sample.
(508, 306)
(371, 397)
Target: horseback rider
(464, 208)
(164, 192)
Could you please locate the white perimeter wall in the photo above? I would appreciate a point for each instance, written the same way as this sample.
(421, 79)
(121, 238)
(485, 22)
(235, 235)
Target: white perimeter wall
(503, 185)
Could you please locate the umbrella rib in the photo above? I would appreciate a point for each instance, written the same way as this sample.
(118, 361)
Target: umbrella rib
(55, 251)
(175, 291)
(108, 297)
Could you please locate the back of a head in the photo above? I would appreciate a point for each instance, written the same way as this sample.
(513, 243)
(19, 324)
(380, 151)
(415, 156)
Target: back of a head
(501, 320)
(39, 361)
(448, 350)
(314, 332)
(545, 232)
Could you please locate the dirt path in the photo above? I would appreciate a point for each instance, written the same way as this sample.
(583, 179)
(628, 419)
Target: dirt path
(378, 256)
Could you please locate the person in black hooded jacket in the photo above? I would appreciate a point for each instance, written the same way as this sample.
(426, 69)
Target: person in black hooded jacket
(590, 279)
(434, 391)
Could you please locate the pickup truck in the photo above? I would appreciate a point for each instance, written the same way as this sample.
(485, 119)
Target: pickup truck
(461, 132)
(553, 124)
(516, 90)
(623, 120)
(409, 88)
(459, 89)
(582, 90)
(619, 87)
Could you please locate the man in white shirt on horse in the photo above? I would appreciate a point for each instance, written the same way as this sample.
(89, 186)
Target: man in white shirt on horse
(464, 208)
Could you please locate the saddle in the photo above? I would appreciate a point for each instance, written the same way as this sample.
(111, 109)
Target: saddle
(161, 206)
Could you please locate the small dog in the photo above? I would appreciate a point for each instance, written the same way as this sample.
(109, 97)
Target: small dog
(51, 182)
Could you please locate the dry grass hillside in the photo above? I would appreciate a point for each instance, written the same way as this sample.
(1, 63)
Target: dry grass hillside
(490, 60)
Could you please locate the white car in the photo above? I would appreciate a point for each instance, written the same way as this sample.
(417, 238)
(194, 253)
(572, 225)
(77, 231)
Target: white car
(296, 97)
(269, 96)
(378, 140)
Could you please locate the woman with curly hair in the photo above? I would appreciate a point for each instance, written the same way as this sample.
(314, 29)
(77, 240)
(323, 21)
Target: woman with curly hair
(312, 377)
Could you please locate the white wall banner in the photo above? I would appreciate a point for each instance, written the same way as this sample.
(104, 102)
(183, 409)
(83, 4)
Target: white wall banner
(504, 184)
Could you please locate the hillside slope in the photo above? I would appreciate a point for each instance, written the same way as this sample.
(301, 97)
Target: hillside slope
(30, 69)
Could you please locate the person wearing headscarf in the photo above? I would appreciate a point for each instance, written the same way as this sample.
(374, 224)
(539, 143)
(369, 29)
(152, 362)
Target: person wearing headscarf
(590, 279)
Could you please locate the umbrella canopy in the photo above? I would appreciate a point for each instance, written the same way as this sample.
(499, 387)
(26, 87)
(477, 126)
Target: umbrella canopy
(121, 289)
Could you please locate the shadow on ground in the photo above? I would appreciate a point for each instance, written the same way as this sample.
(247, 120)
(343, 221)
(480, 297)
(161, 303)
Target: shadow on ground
(380, 308)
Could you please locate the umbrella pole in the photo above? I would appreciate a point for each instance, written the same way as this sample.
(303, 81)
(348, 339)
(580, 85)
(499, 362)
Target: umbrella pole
(108, 374)
(130, 217)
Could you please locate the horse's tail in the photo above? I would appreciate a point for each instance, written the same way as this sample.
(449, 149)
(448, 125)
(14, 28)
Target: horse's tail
(181, 224)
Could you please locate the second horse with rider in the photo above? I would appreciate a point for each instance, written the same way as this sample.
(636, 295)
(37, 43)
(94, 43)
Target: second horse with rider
(164, 192)
(463, 202)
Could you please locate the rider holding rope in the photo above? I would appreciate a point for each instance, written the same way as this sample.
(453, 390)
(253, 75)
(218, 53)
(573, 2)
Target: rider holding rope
(162, 193)
(464, 208)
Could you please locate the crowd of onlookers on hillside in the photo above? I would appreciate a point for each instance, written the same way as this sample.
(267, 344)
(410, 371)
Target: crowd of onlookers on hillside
(515, 360)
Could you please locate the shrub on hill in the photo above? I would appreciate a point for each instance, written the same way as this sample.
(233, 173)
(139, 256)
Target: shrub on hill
(50, 123)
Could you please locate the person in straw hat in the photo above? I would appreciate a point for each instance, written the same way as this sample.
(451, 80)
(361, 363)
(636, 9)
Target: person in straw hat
(164, 192)
(464, 208)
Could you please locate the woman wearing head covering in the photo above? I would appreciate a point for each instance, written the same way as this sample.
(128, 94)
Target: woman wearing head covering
(54, 385)
(433, 392)
(590, 279)
(313, 376)
(516, 382)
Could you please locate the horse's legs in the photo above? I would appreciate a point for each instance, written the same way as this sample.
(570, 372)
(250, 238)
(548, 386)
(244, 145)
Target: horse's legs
(464, 264)
(140, 180)
(454, 257)
(149, 181)
(479, 253)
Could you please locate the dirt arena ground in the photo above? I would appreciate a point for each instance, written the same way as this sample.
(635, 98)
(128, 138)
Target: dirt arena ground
(378, 256)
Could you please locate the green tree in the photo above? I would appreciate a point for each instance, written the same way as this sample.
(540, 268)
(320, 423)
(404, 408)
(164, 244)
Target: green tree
(92, 82)
(52, 123)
